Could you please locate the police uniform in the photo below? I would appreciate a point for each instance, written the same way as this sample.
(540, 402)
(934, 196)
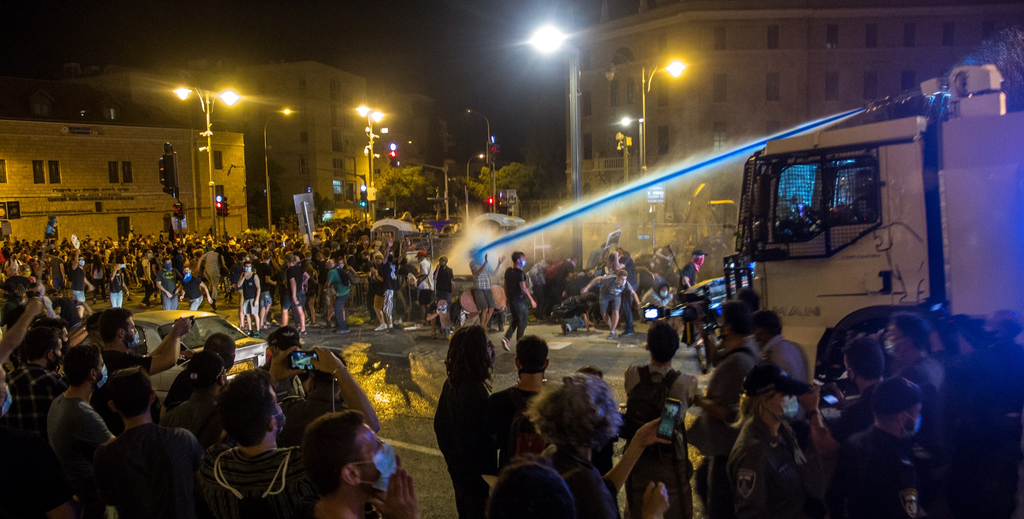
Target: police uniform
(875, 478)
(766, 472)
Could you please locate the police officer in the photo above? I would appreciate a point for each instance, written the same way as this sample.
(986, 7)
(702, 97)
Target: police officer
(875, 476)
(771, 475)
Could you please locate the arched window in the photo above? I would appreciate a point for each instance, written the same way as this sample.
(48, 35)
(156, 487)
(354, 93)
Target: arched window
(622, 56)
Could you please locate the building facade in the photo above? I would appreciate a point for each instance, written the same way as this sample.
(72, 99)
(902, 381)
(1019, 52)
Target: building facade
(90, 159)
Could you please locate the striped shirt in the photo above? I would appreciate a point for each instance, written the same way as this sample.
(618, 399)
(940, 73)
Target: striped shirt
(251, 477)
(33, 389)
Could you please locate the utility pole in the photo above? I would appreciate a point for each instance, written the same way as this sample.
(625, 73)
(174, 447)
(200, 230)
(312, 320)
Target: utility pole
(624, 143)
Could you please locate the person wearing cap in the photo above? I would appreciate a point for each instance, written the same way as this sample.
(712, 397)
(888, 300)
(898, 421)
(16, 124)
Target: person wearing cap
(875, 476)
(425, 281)
(504, 406)
(688, 276)
(206, 374)
(770, 474)
(278, 344)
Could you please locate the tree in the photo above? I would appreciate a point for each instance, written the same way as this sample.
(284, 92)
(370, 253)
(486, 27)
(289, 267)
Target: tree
(1006, 52)
(528, 181)
(408, 187)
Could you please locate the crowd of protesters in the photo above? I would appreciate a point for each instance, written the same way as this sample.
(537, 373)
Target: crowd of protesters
(926, 419)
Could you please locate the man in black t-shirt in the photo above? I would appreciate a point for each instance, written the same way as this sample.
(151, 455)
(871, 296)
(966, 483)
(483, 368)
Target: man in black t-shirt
(688, 276)
(503, 407)
(268, 283)
(443, 278)
(518, 295)
(293, 297)
(193, 289)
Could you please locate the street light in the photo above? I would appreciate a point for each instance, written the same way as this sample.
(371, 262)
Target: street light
(266, 164)
(372, 116)
(487, 150)
(480, 156)
(206, 101)
(674, 68)
(548, 40)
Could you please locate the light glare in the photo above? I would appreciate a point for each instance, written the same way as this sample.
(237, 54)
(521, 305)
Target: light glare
(363, 110)
(183, 93)
(548, 39)
(229, 97)
(676, 68)
(625, 121)
(376, 116)
(287, 111)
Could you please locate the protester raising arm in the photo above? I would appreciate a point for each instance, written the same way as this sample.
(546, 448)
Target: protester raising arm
(16, 332)
(165, 356)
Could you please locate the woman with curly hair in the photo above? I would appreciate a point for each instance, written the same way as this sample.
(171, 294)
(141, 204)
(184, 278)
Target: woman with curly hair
(580, 416)
(459, 422)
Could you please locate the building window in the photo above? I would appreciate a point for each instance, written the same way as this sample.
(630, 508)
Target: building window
(988, 29)
(339, 193)
(613, 92)
(661, 43)
(339, 167)
(302, 165)
(350, 165)
(350, 189)
(871, 35)
(337, 143)
(346, 120)
(662, 140)
(719, 38)
(771, 90)
(38, 173)
(112, 175)
(772, 127)
(908, 80)
(3, 171)
(588, 146)
(585, 106)
(718, 91)
(948, 34)
(303, 137)
(664, 93)
(870, 84)
(631, 90)
(335, 90)
(832, 86)
(718, 138)
(41, 107)
(218, 160)
(773, 36)
(832, 36)
(54, 167)
(335, 116)
(910, 35)
(126, 173)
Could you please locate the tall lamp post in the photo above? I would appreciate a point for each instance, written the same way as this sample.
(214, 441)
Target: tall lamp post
(206, 102)
(548, 40)
(675, 68)
(480, 156)
(487, 151)
(266, 166)
(372, 116)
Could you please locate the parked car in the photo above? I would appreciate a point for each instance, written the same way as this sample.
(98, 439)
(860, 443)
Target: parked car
(152, 326)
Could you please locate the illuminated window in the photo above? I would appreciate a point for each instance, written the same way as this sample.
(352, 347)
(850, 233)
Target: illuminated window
(798, 210)
(718, 136)
(339, 192)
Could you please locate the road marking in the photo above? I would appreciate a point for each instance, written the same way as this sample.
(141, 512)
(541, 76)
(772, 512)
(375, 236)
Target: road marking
(417, 448)
(553, 345)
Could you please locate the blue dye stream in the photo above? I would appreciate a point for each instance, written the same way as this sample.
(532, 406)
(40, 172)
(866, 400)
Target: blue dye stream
(583, 208)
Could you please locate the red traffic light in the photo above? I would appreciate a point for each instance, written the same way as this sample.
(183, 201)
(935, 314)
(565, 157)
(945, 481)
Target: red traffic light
(490, 201)
(392, 153)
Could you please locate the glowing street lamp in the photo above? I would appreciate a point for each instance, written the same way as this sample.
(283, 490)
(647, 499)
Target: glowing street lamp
(675, 68)
(229, 97)
(183, 93)
(625, 121)
(372, 116)
(548, 39)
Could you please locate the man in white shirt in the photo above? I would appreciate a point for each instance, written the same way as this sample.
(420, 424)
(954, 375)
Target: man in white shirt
(425, 281)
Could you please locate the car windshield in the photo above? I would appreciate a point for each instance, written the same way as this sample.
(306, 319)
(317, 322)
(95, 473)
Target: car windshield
(204, 328)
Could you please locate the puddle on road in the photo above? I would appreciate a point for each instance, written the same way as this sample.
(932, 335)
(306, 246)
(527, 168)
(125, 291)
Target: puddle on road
(397, 384)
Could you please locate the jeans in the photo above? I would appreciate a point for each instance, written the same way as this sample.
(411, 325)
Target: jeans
(150, 290)
(169, 303)
(339, 311)
(626, 311)
(194, 304)
(116, 298)
(520, 318)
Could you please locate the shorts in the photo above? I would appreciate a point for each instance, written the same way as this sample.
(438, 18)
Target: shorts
(610, 303)
(249, 306)
(426, 296)
(287, 303)
(78, 295)
(389, 301)
(378, 302)
(484, 298)
(266, 300)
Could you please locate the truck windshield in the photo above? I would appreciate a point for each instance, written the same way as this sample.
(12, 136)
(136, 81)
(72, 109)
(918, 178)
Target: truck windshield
(814, 197)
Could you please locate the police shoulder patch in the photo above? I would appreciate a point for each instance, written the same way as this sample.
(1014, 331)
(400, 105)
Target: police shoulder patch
(745, 480)
(908, 497)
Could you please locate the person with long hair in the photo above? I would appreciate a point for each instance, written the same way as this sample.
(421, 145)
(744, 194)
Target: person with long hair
(460, 423)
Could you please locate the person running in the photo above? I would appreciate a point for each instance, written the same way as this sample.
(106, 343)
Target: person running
(613, 286)
(518, 294)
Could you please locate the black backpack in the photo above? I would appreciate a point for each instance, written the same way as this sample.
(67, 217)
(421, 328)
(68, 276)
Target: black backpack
(646, 401)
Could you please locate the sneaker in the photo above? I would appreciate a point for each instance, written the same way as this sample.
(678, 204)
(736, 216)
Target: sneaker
(627, 334)
(303, 332)
(381, 328)
(256, 335)
(611, 336)
(505, 344)
(344, 330)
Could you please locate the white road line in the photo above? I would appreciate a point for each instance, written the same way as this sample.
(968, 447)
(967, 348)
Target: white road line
(417, 448)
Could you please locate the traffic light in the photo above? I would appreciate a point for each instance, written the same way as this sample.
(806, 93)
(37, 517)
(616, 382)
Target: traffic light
(393, 155)
(169, 170)
(227, 208)
(495, 150)
(219, 205)
(179, 211)
(363, 202)
(490, 204)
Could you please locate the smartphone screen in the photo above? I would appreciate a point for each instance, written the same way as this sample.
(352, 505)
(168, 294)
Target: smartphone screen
(669, 418)
(301, 360)
(831, 400)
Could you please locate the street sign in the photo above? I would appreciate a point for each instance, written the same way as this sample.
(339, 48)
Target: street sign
(644, 237)
(371, 194)
(656, 194)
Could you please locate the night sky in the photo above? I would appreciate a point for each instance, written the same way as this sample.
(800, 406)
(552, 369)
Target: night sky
(463, 53)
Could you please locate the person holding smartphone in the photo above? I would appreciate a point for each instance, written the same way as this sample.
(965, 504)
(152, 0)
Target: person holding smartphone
(117, 287)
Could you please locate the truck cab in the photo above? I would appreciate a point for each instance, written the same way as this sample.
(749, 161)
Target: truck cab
(917, 205)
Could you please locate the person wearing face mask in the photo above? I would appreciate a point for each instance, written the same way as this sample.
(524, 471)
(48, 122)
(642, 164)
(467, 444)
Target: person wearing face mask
(250, 476)
(117, 329)
(249, 284)
(519, 297)
(771, 475)
(75, 429)
(79, 283)
(875, 476)
(34, 385)
(688, 275)
(659, 296)
(351, 467)
(193, 288)
(167, 282)
(145, 277)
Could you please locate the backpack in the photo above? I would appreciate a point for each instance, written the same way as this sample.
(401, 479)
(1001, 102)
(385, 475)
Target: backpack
(645, 402)
(523, 438)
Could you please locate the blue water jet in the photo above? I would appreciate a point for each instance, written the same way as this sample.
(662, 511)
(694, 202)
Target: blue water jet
(585, 207)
